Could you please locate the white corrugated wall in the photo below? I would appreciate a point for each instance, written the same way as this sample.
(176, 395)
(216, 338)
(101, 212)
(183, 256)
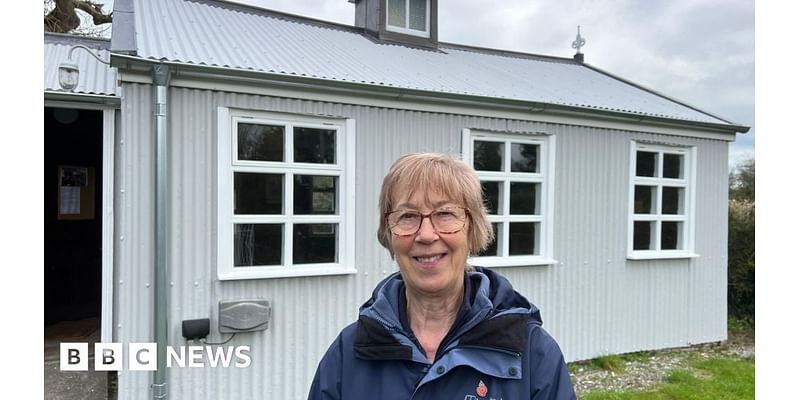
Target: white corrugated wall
(593, 301)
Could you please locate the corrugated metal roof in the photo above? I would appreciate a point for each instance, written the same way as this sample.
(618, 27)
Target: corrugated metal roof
(96, 78)
(222, 34)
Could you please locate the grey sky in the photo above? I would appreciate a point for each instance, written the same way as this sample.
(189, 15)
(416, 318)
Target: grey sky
(701, 52)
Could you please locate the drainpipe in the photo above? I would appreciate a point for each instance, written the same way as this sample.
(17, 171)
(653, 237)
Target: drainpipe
(161, 76)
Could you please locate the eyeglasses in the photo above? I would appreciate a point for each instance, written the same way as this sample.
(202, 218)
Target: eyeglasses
(444, 220)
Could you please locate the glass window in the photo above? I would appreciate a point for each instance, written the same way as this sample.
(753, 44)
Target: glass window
(515, 180)
(418, 15)
(673, 166)
(522, 238)
(282, 190)
(257, 193)
(524, 199)
(258, 244)
(488, 156)
(260, 142)
(314, 145)
(646, 163)
(524, 157)
(315, 194)
(660, 199)
(492, 191)
(408, 16)
(315, 243)
(644, 198)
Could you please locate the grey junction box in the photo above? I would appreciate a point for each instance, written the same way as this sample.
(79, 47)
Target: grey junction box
(244, 315)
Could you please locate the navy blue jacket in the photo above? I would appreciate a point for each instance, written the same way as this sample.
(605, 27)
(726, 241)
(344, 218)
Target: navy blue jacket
(496, 350)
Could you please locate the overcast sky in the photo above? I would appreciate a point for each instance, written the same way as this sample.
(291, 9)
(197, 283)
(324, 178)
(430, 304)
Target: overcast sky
(699, 51)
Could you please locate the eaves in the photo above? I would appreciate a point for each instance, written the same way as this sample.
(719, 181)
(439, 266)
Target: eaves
(137, 69)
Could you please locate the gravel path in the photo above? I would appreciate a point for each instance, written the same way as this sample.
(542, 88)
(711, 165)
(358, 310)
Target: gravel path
(650, 370)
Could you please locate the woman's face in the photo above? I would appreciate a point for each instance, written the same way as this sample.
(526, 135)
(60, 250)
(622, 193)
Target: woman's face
(431, 263)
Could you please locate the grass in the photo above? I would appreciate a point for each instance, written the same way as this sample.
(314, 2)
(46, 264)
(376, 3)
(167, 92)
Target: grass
(710, 379)
(707, 376)
(612, 363)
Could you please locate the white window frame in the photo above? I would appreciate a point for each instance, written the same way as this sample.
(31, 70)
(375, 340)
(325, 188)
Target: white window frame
(227, 164)
(547, 152)
(406, 30)
(688, 182)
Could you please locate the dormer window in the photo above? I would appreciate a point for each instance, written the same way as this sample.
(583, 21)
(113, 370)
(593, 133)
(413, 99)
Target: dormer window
(411, 17)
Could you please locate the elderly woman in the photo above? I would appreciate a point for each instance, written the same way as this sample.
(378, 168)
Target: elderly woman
(439, 328)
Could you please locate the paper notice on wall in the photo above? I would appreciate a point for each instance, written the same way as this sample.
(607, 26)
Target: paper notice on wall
(70, 200)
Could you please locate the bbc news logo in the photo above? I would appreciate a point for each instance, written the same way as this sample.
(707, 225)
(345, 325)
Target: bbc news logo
(143, 356)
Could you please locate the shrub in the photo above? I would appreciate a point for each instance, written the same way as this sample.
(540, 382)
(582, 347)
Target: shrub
(741, 259)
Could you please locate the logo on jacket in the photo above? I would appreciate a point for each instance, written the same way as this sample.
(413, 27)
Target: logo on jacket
(482, 390)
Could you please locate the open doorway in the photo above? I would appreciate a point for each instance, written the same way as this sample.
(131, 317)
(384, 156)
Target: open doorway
(73, 237)
(73, 224)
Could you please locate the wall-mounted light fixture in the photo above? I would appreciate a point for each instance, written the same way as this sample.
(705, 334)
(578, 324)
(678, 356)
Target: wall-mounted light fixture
(68, 71)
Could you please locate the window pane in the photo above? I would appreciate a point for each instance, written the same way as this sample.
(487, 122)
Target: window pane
(671, 235)
(260, 142)
(315, 194)
(524, 157)
(644, 199)
(646, 163)
(673, 166)
(315, 243)
(417, 11)
(643, 232)
(257, 244)
(492, 249)
(313, 145)
(488, 156)
(257, 193)
(491, 195)
(672, 200)
(397, 13)
(524, 198)
(522, 238)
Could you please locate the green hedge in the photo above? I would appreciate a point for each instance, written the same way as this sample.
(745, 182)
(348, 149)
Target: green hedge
(741, 258)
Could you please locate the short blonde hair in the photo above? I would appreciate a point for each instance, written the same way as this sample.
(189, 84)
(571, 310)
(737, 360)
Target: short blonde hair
(442, 174)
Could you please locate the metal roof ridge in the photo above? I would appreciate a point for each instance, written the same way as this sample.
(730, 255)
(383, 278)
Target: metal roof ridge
(509, 53)
(263, 11)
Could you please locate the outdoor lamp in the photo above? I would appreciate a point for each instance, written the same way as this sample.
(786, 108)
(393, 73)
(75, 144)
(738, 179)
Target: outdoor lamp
(68, 71)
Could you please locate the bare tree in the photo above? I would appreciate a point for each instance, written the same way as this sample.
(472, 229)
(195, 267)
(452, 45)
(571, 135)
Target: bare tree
(63, 16)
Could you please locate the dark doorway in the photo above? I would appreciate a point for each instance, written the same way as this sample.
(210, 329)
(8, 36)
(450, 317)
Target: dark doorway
(73, 161)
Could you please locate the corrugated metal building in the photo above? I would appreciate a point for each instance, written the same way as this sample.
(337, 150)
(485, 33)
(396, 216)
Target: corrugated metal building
(609, 199)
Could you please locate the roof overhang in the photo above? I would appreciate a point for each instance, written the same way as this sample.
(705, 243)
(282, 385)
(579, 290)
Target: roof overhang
(137, 69)
(106, 100)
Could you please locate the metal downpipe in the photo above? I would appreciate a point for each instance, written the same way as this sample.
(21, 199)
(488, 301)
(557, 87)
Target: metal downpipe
(161, 76)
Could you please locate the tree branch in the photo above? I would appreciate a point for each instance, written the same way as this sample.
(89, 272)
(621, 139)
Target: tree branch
(95, 10)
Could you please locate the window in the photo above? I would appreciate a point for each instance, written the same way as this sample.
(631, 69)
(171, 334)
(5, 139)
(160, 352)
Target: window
(516, 175)
(661, 202)
(285, 195)
(411, 17)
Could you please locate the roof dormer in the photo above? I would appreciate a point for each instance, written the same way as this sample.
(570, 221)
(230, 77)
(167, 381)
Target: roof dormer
(411, 22)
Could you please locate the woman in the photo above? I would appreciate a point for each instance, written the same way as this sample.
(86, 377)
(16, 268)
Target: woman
(440, 329)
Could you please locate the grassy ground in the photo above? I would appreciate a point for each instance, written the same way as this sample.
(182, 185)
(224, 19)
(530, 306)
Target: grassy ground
(712, 379)
(707, 373)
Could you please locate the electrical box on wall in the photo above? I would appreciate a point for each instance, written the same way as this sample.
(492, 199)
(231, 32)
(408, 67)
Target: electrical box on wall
(244, 315)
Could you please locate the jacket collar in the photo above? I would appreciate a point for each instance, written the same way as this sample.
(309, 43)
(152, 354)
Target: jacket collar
(496, 319)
